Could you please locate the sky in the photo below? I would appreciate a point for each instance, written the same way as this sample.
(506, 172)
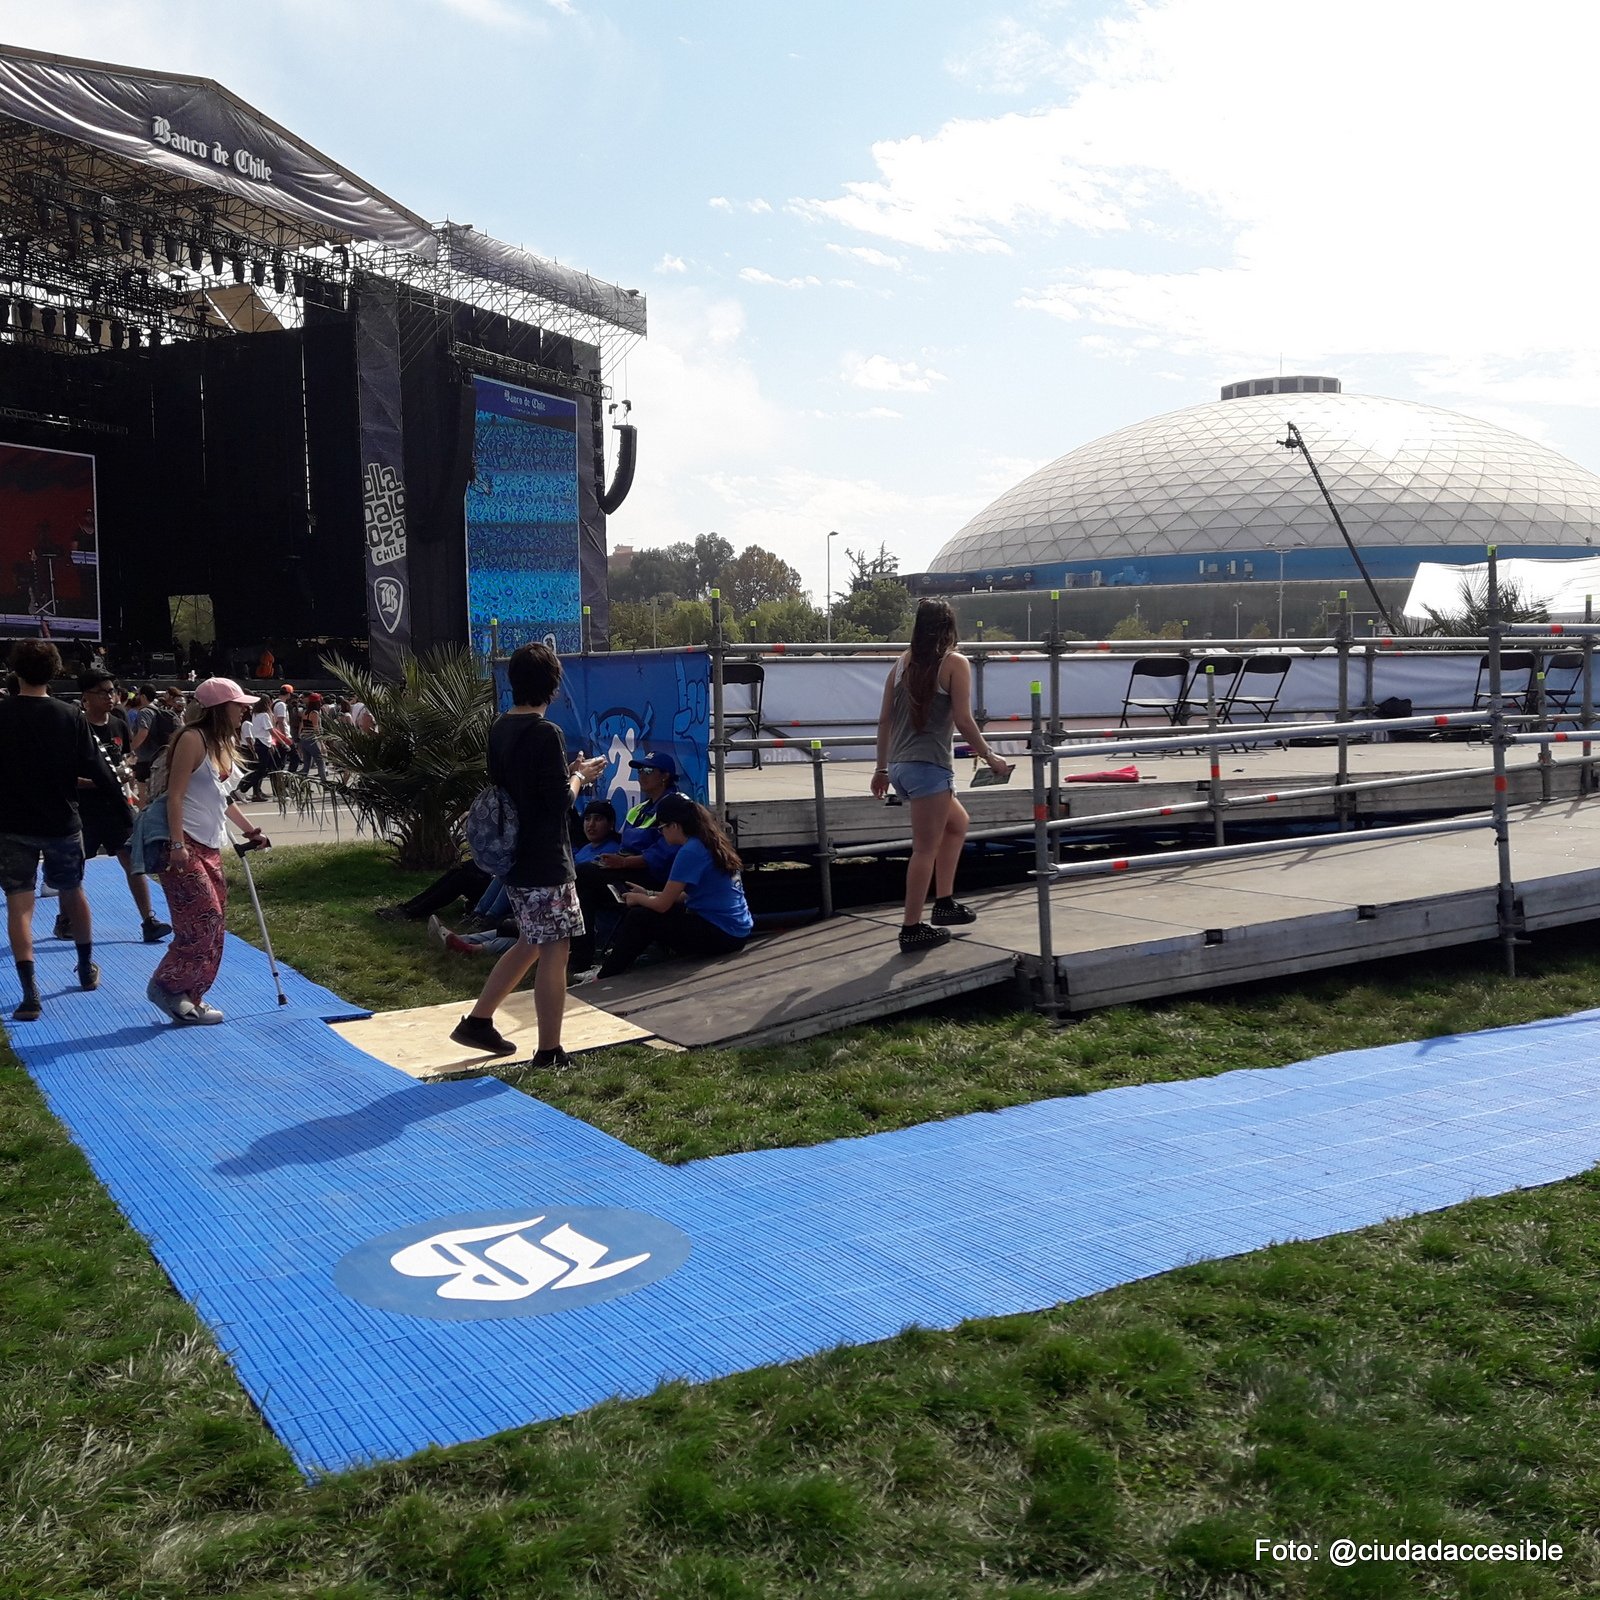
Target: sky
(899, 255)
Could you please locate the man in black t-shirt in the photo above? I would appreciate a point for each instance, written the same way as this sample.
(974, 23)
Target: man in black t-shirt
(45, 748)
(107, 827)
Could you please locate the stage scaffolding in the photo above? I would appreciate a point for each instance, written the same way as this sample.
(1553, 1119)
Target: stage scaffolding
(101, 252)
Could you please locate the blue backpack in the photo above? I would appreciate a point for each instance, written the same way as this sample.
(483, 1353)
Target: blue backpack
(491, 831)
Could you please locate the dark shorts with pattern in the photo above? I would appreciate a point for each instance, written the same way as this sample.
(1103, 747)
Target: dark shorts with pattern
(547, 914)
(21, 853)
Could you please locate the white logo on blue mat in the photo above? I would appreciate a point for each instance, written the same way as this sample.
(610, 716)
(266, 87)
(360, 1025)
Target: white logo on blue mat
(512, 1263)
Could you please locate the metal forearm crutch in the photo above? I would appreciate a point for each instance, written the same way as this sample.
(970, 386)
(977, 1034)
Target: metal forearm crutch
(242, 849)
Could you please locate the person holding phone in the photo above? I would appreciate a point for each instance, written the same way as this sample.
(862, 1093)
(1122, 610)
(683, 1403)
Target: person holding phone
(528, 759)
(927, 698)
(702, 910)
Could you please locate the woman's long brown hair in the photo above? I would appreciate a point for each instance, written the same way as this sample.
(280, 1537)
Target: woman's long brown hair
(933, 637)
(221, 741)
(705, 827)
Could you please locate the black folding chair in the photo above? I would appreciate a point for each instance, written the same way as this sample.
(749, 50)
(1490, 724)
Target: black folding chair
(1563, 688)
(1224, 672)
(1256, 688)
(1516, 680)
(744, 721)
(1155, 685)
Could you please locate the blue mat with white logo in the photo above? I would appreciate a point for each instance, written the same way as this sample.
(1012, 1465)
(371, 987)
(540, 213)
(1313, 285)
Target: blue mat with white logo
(391, 1265)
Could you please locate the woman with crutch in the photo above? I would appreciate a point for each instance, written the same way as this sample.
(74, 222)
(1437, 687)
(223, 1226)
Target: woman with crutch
(203, 770)
(927, 697)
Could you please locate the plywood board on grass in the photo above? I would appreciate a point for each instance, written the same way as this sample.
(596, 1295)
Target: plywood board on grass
(418, 1041)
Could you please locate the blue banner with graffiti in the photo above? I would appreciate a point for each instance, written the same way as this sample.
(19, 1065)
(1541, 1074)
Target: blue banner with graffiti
(617, 706)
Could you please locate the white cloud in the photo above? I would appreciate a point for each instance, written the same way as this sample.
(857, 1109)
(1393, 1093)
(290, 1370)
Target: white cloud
(756, 275)
(873, 258)
(881, 372)
(1011, 56)
(720, 202)
(758, 207)
(1232, 136)
(493, 13)
(881, 413)
(671, 263)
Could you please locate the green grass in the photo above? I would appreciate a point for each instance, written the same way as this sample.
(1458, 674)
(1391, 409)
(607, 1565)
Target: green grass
(1436, 1377)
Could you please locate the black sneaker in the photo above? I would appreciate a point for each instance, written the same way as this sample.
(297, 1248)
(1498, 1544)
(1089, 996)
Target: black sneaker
(63, 927)
(88, 976)
(952, 914)
(922, 937)
(29, 1011)
(155, 931)
(556, 1060)
(480, 1034)
(392, 914)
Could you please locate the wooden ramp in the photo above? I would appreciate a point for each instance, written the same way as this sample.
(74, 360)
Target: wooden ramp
(1156, 932)
(798, 984)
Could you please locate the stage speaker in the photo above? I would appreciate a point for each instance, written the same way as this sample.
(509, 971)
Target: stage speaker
(258, 272)
(196, 255)
(627, 459)
(47, 320)
(125, 237)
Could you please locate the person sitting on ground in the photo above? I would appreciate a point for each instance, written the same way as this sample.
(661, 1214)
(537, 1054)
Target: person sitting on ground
(45, 747)
(641, 856)
(466, 880)
(528, 759)
(107, 826)
(702, 910)
(600, 836)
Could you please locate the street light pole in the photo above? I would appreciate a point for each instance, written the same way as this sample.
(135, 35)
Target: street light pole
(828, 581)
(1279, 549)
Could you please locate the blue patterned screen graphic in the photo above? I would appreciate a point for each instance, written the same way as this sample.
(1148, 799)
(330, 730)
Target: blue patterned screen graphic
(522, 520)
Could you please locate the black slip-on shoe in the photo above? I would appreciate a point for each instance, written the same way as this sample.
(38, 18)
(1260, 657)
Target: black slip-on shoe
(480, 1034)
(556, 1060)
(89, 976)
(155, 930)
(952, 914)
(922, 937)
(29, 1011)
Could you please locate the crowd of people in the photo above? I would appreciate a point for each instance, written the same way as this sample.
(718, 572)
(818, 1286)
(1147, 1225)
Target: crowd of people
(150, 777)
(586, 891)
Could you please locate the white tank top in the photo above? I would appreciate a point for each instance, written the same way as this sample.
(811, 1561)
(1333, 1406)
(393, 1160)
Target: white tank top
(205, 803)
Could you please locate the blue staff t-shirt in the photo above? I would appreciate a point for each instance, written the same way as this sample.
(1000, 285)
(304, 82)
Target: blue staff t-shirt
(710, 892)
(593, 852)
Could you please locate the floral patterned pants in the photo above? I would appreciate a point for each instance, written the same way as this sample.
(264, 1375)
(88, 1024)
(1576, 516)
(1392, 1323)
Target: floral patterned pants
(197, 895)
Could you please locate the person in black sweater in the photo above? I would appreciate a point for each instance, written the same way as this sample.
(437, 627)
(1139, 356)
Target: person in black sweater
(45, 747)
(528, 759)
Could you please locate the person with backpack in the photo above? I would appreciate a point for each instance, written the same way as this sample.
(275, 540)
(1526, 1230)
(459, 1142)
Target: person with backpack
(107, 826)
(528, 762)
(158, 721)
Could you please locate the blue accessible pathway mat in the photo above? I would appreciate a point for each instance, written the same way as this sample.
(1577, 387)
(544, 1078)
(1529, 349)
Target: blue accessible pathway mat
(391, 1264)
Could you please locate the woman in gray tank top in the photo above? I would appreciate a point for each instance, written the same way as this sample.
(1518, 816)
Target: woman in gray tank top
(927, 698)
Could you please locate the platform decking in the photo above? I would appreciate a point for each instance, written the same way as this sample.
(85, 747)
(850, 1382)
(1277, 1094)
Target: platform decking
(1161, 931)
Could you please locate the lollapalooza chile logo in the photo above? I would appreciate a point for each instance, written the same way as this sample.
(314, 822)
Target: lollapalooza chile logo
(384, 511)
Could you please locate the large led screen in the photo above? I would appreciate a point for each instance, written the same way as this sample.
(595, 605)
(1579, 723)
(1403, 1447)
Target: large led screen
(522, 520)
(49, 573)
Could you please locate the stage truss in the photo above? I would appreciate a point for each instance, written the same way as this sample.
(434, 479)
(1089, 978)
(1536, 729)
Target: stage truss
(99, 252)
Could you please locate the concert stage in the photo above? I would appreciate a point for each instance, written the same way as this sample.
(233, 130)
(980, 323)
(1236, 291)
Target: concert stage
(245, 397)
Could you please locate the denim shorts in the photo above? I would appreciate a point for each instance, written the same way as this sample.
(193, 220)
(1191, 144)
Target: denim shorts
(20, 854)
(918, 780)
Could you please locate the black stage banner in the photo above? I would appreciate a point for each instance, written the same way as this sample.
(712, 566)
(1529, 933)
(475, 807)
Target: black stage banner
(383, 489)
(195, 129)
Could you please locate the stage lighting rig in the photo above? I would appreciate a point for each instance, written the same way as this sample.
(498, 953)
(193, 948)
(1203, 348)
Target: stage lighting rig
(280, 277)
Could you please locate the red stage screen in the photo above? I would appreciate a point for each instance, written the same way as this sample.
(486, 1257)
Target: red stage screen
(49, 569)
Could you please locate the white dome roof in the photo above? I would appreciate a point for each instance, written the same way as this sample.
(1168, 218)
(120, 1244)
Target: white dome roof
(1212, 478)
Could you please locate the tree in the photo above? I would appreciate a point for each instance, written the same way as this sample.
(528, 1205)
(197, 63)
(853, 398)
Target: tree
(656, 573)
(689, 622)
(880, 608)
(794, 621)
(756, 577)
(869, 569)
(712, 554)
(1470, 618)
(1129, 627)
(413, 777)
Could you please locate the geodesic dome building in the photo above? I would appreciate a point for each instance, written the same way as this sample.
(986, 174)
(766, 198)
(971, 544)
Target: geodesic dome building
(1209, 494)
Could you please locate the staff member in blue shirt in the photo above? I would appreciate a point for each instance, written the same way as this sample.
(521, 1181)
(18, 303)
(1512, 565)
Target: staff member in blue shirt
(702, 910)
(643, 852)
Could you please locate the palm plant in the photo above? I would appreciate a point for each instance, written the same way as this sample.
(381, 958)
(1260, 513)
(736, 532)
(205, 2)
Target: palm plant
(1470, 617)
(413, 777)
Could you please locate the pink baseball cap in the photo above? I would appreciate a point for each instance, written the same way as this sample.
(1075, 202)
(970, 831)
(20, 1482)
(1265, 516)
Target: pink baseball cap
(222, 691)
